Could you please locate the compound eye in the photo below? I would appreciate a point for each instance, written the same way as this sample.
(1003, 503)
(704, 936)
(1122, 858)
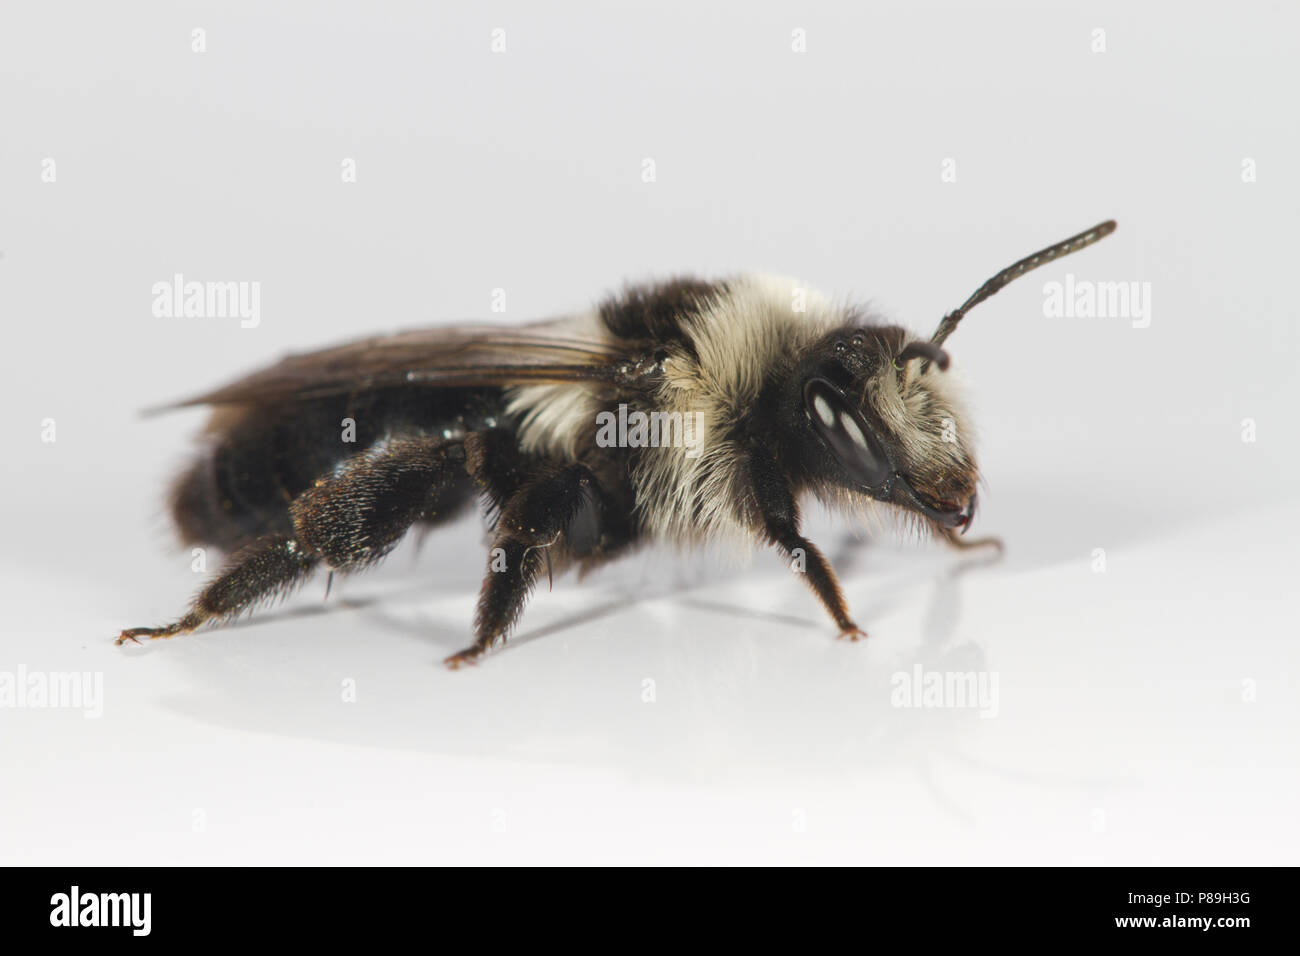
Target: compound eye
(843, 428)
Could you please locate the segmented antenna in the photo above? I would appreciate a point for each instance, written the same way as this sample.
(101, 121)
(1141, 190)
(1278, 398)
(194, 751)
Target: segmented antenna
(1073, 244)
(925, 350)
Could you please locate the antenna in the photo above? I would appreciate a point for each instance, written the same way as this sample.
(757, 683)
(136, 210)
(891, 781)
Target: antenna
(1063, 248)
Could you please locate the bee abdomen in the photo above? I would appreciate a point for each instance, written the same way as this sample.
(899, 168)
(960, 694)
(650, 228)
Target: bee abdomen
(240, 487)
(208, 510)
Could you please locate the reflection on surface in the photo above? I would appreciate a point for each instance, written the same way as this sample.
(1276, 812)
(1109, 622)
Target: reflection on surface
(724, 677)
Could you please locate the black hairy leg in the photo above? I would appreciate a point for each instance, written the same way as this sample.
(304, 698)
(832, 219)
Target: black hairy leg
(355, 517)
(346, 521)
(554, 515)
(777, 518)
(256, 573)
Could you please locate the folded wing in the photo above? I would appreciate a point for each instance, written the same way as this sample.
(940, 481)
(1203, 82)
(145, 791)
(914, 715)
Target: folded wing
(453, 357)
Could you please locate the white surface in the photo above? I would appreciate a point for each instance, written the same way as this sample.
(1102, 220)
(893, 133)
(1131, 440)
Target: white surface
(1126, 731)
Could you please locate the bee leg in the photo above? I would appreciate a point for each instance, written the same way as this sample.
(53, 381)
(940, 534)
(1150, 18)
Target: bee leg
(536, 518)
(955, 540)
(355, 517)
(777, 518)
(268, 567)
(348, 521)
(806, 559)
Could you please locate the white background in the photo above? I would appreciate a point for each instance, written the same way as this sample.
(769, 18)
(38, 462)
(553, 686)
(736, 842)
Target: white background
(1146, 714)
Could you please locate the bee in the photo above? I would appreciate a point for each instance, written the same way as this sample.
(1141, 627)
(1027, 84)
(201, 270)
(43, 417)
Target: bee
(686, 412)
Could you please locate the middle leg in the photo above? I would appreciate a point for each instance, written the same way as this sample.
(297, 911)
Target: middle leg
(553, 517)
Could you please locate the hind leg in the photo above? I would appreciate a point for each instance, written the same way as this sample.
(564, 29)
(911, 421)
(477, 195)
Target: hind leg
(347, 521)
(256, 573)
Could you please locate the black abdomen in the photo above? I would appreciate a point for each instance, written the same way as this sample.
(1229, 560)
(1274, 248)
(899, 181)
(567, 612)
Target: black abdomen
(261, 457)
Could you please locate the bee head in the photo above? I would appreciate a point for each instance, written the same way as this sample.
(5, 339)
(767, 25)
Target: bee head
(877, 416)
(880, 418)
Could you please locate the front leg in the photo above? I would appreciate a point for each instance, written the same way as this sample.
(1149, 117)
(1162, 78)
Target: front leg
(958, 543)
(777, 519)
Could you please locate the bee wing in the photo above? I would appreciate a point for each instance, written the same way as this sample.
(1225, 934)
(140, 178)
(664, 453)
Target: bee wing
(459, 356)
